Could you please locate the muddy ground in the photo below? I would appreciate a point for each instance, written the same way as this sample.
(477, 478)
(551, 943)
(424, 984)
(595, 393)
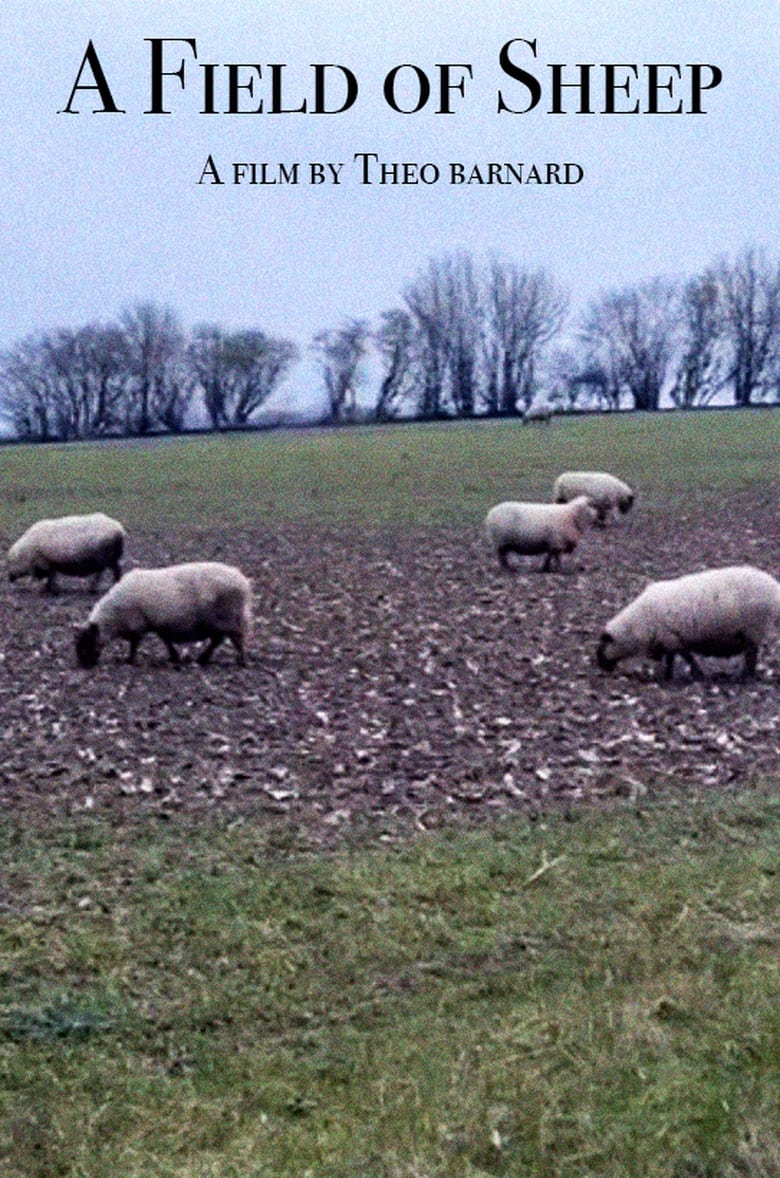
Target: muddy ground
(394, 678)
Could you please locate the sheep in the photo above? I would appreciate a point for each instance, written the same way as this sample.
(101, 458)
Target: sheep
(718, 613)
(607, 493)
(528, 529)
(180, 603)
(74, 545)
(539, 413)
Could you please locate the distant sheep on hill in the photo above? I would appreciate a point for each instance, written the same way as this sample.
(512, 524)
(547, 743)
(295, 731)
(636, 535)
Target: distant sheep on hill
(717, 613)
(180, 603)
(74, 545)
(539, 413)
(529, 529)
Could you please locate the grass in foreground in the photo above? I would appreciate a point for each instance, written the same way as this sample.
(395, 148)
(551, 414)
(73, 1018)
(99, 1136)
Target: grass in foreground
(594, 996)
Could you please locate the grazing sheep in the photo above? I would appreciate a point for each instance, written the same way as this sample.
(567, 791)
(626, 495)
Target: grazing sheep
(181, 603)
(540, 413)
(718, 613)
(75, 545)
(528, 529)
(607, 493)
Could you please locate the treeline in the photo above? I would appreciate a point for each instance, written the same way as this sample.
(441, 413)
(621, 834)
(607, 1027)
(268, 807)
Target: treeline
(468, 338)
(139, 375)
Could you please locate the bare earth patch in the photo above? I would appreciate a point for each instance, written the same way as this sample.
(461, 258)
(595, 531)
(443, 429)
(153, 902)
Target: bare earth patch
(394, 677)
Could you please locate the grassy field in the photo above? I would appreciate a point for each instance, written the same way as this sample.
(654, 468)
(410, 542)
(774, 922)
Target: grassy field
(408, 474)
(598, 996)
(590, 993)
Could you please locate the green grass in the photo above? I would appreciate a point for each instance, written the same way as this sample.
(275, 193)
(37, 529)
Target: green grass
(401, 475)
(597, 996)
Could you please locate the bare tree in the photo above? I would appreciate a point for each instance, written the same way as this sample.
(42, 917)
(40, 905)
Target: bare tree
(397, 346)
(206, 355)
(599, 384)
(480, 333)
(341, 351)
(91, 368)
(26, 391)
(525, 310)
(65, 384)
(172, 397)
(630, 337)
(463, 309)
(237, 371)
(701, 368)
(62, 369)
(106, 355)
(750, 293)
(567, 388)
(428, 302)
(155, 344)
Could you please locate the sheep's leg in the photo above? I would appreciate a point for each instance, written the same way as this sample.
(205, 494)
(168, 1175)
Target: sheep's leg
(94, 583)
(751, 659)
(238, 642)
(134, 641)
(50, 585)
(213, 642)
(668, 664)
(548, 562)
(503, 553)
(691, 661)
(173, 653)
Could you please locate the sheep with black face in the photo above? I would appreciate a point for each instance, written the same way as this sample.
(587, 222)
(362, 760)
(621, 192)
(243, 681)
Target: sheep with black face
(717, 613)
(608, 494)
(181, 603)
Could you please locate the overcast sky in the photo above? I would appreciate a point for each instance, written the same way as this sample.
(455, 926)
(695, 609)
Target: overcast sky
(101, 211)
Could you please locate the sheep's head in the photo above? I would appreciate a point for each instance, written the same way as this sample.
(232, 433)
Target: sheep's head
(607, 656)
(625, 503)
(17, 567)
(623, 637)
(88, 645)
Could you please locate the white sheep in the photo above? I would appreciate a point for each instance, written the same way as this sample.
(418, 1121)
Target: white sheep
(717, 613)
(180, 603)
(528, 529)
(607, 493)
(74, 545)
(540, 413)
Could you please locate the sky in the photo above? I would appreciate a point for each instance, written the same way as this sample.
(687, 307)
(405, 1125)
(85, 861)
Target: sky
(102, 210)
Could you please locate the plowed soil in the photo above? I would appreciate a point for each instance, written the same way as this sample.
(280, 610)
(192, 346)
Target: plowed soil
(396, 677)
